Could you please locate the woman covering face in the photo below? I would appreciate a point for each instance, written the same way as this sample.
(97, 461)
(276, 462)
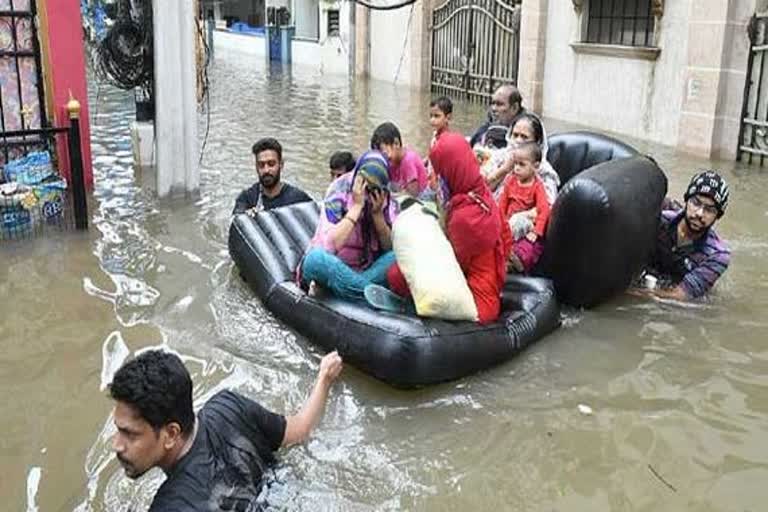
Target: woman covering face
(352, 244)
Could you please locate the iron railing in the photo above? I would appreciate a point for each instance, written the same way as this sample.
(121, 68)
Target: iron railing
(28, 210)
(753, 134)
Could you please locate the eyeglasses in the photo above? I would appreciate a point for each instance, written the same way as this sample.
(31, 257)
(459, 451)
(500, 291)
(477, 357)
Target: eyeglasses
(696, 204)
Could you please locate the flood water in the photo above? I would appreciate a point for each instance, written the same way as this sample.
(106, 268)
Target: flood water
(678, 394)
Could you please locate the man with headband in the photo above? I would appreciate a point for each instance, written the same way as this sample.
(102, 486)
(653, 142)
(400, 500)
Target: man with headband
(689, 256)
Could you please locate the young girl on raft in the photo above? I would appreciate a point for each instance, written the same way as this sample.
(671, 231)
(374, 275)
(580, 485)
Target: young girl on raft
(524, 190)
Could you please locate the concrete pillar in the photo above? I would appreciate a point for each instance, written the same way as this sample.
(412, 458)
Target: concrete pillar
(61, 38)
(350, 34)
(421, 60)
(177, 150)
(533, 46)
(715, 74)
(362, 40)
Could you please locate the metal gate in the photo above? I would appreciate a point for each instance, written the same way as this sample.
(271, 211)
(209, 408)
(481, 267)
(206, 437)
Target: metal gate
(34, 196)
(475, 46)
(753, 135)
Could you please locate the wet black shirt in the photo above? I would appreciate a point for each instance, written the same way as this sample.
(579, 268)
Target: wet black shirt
(223, 469)
(251, 197)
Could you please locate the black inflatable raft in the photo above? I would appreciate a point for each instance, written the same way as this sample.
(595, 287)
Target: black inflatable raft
(604, 222)
(602, 226)
(401, 350)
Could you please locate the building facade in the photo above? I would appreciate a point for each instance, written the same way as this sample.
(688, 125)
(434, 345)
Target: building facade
(673, 72)
(670, 72)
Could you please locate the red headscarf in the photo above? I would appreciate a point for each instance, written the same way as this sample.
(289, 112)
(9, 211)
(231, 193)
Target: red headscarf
(474, 225)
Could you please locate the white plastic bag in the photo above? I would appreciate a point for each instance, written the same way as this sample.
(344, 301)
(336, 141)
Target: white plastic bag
(427, 261)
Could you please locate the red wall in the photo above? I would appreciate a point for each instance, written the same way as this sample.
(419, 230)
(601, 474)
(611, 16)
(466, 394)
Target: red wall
(63, 44)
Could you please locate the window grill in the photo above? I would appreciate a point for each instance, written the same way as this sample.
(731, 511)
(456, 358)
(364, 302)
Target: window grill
(333, 22)
(620, 22)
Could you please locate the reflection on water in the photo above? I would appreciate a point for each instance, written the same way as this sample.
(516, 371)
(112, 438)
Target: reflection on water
(674, 394)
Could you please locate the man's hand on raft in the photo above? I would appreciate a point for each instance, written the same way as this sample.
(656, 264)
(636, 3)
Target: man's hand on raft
(330, 367)
(675, 293)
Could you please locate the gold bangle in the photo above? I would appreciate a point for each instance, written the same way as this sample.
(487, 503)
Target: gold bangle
(346, 217)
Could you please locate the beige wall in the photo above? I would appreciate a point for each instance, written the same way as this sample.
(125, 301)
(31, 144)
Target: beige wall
(390, 43)
(636, 97)
(690, 96)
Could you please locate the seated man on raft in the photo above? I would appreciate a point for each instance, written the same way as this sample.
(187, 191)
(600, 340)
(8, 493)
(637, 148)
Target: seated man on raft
(269, 192)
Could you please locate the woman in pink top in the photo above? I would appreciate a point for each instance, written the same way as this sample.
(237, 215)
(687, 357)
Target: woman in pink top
(352, 245)
(406, 168)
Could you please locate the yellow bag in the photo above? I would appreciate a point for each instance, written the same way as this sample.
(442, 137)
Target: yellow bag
(427, 261)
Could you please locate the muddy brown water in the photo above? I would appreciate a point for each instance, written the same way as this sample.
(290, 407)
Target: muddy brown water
(677, 394)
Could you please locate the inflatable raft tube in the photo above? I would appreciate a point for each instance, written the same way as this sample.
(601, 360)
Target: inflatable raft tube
(604, 222)
(403, 351)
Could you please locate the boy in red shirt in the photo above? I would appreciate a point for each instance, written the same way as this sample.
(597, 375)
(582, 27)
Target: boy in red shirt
(440, 114)
(525, 199)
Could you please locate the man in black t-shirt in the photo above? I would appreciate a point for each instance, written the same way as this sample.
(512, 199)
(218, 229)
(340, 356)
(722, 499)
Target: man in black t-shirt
(215, 461)
(269, 192)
